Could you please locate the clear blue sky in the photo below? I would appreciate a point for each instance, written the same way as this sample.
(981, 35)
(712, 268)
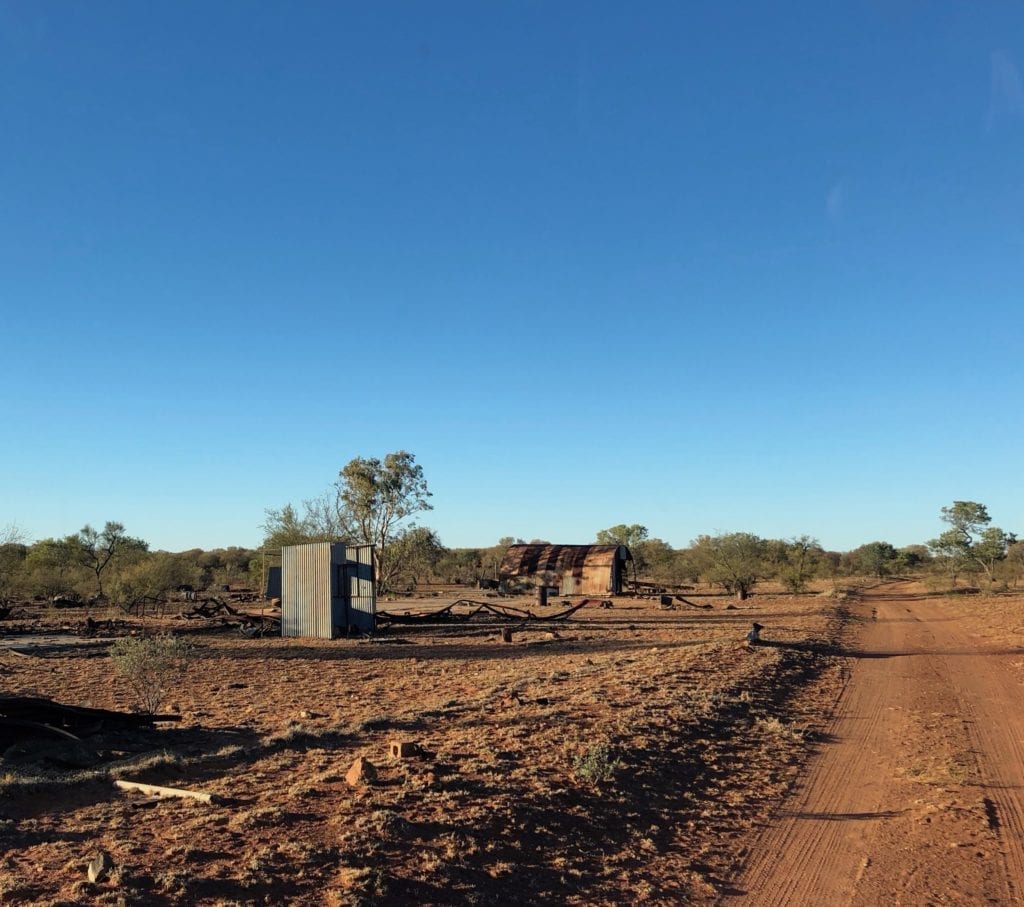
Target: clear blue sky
(694, 265)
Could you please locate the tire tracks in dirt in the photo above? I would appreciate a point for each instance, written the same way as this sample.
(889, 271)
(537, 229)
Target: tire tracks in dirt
(915, 798)
(995, 726)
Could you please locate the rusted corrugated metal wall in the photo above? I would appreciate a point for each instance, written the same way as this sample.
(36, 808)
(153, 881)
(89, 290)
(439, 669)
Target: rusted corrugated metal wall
(577, 569)
(361, 591)
(596, 580)
(309, 604)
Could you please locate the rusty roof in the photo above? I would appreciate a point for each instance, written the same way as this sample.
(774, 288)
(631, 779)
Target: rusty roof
(523, 560)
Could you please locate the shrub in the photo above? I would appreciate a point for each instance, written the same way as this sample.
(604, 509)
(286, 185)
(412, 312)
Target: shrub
(151, 665)
(596, 764)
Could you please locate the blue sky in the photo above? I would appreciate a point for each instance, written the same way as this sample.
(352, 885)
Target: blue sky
(696, 266)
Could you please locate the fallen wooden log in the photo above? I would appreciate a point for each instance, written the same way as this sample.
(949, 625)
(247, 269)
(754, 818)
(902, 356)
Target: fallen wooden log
(155, 790)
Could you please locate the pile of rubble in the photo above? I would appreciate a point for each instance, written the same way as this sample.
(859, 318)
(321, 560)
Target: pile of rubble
(219, 613)
(32, 718)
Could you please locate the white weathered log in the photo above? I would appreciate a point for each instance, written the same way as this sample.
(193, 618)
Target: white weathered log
(156, 790)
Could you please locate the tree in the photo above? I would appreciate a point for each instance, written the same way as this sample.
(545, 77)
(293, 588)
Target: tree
(630, 536)
(734, 560)
(658, 561)
(991, 547)
(97, 550)
(1013, 565)
(970, 542)
(491, 558)
(12, 534)
(369, 503)
(459, 565)
(378, 496)
(873, 559)
(801, 559)
(53, 567)
(285, 527)
(412, 555)
(12, 559)
(911, 557)
(151, 579)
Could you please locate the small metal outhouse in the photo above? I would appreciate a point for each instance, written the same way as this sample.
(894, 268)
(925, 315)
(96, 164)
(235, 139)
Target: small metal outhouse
(327, 590)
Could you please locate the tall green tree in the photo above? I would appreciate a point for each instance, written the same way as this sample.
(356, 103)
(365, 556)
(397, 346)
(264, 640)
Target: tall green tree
(874, 559)
(371, 502)
(658, 561)
(801, 559)
(285, 526)
(629, 535)
(735, 560)
(97, 549)
(970, 544)
(53, 567)
(411, 557)
(378, 496)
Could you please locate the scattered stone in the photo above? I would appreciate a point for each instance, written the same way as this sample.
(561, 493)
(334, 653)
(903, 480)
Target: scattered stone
(361, 772)
(99, 867)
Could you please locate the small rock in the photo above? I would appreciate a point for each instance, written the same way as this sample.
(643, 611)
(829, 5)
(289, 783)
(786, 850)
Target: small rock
(361, 772)
(99, 867)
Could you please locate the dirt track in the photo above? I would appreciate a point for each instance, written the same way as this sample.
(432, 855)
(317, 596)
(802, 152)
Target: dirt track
(917, 798)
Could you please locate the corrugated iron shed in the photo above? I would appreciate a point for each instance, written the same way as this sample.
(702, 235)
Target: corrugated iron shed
(327, 589)
(576, 569)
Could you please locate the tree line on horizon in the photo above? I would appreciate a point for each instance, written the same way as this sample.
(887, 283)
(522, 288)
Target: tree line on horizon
(377, 501)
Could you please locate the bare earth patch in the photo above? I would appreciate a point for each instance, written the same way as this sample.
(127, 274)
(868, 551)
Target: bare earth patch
(626, 756)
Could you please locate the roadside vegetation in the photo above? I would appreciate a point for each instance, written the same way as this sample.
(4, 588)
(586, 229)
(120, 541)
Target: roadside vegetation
(378, 501)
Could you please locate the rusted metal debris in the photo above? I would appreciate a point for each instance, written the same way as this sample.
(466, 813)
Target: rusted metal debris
(478, 611)
(245, 622)
(29, 717)
(702, 607)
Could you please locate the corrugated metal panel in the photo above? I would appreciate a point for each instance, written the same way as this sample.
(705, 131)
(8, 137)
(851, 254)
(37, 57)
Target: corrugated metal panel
(523, 560)
(595, 581)
(307, 584)
(273, 589)
(570, 585)
(339, 609)
(578, 569)
(361, 588)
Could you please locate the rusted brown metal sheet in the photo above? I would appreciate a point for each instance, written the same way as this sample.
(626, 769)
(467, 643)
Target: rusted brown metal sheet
(577, 569)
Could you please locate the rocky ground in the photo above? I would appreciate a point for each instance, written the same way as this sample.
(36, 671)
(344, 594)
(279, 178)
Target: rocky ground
(626, 754)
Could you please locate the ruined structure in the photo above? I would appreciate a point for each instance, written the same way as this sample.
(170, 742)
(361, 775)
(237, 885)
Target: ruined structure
(572, 569)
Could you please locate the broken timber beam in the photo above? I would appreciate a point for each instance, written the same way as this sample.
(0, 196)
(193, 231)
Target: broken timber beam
(155, 790)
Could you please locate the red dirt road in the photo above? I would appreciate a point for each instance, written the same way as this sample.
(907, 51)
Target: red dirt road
(918, 795)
